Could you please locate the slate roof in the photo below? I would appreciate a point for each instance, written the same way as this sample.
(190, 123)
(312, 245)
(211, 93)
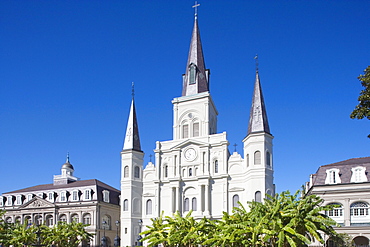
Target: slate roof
(258, 116)
(344, 167)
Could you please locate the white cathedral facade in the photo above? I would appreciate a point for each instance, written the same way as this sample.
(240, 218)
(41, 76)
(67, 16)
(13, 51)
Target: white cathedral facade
(194, 171)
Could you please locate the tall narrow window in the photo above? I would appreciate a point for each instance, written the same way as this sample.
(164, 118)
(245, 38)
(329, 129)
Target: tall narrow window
(185, 131)
(49, 220)
(63, 218)
(165, 171)
(194, 204)
(149, 207)
(190, 172)
(332, 176)
(125, 205)
(75, 218)
(75, 195)
(87, 194)
(257, 196)
(216, 166)
(51, 196)
(19, 200)
(137, 172)
(257, 158)
(63, 196)
(268, 159)
(235, 201)
(125, 172)
(192, 74)
(247, 160)
(196, 129)
(186, 204)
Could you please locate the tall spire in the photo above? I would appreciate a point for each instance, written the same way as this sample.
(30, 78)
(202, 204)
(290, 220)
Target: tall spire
(196, 77)
(132, 140)
(258, 117)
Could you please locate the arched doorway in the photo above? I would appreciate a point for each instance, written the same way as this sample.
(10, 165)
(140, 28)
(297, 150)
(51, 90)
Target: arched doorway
(361, 241)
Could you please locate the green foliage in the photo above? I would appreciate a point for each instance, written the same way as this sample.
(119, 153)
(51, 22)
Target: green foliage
(362, 110)
(283, 220)
(60, 235)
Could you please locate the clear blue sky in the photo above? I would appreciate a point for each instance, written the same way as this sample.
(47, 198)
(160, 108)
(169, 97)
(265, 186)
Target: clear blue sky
(66, 69)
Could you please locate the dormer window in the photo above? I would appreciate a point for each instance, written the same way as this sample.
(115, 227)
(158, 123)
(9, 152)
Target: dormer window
(51, 197)
(332, 176)
(192, 74)
(9, 201)
(75, 195)
(18, 200)
(1, 201)
(358, 175)
(63, 196)
(87, 194)
(106, 195)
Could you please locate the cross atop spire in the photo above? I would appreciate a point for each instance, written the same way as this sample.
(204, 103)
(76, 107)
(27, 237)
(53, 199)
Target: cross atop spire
(196, 77)
(256, 59)
(67, 161)
(133, 90)
(195, 6)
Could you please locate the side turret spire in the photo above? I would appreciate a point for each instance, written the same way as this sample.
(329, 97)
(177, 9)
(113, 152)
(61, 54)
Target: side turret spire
(196, 77)
(258, 117)
(132, 140)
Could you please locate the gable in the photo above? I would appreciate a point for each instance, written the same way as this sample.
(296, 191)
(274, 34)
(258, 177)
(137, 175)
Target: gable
(37, 202)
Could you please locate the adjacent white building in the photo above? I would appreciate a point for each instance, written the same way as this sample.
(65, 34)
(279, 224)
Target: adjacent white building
(195, 170)
(67, 199)
(346, 184)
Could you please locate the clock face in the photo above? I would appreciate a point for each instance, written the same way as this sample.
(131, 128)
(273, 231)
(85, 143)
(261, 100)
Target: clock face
(190, 154)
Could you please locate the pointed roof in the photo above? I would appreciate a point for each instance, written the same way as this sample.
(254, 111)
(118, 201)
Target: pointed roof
(195, 58)
(258, 117)
(132, 140)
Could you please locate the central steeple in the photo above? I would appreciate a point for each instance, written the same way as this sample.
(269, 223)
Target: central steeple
(196, 77)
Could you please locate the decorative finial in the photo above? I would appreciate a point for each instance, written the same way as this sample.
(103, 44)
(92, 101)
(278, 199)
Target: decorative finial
(150, 156)
(235, 147)
(256, 58)
(195, 6)
(67, 161)
(132, 90)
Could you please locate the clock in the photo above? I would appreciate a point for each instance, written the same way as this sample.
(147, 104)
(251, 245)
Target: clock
(190, 154)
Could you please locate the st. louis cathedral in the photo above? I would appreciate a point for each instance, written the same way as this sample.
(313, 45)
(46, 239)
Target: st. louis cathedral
(194, 171)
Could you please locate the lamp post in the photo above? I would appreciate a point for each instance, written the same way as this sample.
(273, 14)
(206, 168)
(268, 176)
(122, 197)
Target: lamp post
(104, 238)
(139, 243)
(38, 232)
(117, 240)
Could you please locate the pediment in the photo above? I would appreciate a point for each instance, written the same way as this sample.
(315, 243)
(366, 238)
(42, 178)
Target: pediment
(189, 142)
(37, 202)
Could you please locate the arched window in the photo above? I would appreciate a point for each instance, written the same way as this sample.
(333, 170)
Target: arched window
(18, 219)
(149, 207)
(125, 205)
(359, 209)
(63, 218)
(235, 201)
(107, 219)
(49, 220)
(186, 204)
(194, 204)
(196, 129)
(257, 158)
(190, 172)
(137, 172)
(8, 220)
(359, 213)
(268, 159)
(28, 219)
(75, 218)
(38, 220)
(192, 74)
(185, 131)
(335, 212)
(257, 196)
(216, 166)
(125, 172)
(87, 219)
